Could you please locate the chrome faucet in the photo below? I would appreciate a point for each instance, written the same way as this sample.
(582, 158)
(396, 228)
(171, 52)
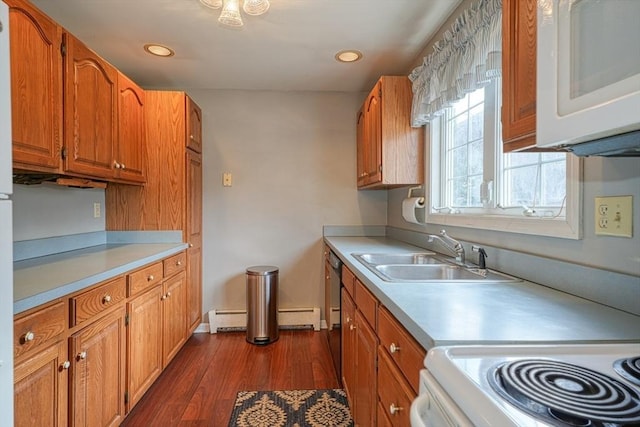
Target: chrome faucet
(450, 243)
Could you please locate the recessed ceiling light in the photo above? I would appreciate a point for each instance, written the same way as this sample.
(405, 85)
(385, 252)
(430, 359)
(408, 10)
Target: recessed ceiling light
(348, 56)
(159, 50)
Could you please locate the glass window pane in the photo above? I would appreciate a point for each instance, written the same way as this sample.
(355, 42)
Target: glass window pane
(522, 188)
(474, 191)
(520, 159)
(476, 122)
(475, 157)
(460, 190)
(553, 186)
(461, 128)
(459, 162)
(461, 105)
(476, 97)
(550, 157)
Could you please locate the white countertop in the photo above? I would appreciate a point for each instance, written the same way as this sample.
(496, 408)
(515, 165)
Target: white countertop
(438, 314)
(39, 280)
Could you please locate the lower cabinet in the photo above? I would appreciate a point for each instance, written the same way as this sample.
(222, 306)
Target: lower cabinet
(40, 385)
(86, 359)
(380, 359)
(97, 372)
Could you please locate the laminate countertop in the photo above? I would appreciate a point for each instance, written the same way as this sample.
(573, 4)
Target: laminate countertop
(40, 280)
(439, 314)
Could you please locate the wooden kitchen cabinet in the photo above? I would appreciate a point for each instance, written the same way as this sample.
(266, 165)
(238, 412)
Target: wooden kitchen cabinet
(172, 196)
(518, 74)
(156, 328)
(130, 152)
(97, 379)
(36, 97)
(90, 111)
(393, 391)
(41, 367)
(359, 351)
(390, 152)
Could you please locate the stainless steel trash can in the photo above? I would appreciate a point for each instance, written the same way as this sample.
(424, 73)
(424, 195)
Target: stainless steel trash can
(262, 304)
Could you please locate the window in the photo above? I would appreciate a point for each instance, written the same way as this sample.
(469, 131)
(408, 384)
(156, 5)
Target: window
(475, 184)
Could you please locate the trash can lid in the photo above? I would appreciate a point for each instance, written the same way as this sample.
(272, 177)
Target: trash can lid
(262, 270)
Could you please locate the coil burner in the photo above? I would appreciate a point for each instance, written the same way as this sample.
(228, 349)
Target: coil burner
(629, 369)
(564, 394)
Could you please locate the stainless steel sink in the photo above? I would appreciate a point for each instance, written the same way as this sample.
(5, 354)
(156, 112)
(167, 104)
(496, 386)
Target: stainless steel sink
(410, 258)
(438, 273)
(426, 267)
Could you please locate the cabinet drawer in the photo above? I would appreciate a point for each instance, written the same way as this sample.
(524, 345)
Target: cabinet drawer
(145, 278)
(93, 302)
(401, 347)
(394, 393)
(366, 303)
(348, 280)
(38, 327)
(174, 264)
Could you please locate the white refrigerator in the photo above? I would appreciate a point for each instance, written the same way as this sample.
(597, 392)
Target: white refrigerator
(6, 228)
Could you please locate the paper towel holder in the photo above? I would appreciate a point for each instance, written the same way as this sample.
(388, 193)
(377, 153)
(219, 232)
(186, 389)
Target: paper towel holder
(409, 195)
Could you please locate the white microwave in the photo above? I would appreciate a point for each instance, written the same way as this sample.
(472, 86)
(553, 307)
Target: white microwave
(588, 71)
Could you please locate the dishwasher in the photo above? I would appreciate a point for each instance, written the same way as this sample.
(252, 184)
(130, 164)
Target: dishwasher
(332, 308)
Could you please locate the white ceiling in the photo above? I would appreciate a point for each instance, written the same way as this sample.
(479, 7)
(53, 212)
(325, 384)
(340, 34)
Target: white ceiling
(291, 47)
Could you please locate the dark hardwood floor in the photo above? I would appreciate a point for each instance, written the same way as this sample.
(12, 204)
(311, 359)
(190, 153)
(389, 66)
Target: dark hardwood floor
(199, 386)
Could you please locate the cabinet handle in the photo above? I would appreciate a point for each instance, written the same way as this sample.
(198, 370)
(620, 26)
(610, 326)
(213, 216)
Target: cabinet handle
(66, 364)
(393, 348)
(29, 336)
(106, 299)
(150, 278)
(82, 355)
(393, 409)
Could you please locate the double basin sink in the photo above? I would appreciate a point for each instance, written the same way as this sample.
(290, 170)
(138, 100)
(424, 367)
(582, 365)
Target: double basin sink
(426, 267)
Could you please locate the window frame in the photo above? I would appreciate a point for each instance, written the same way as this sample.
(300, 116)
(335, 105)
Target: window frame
(568, 226)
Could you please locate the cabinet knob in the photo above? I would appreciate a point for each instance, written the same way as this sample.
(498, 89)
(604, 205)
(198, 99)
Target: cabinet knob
(168, 294)
(122, 166)
(178, 263)
(191, 137)
(29, 336)
(66, 364)
(347, 319)
(106, 299)
(150, 278)
(393, 348)
(163, 297)
(352, 327)
(190, 245)
(327, 277)
(82, 355)
(116, 165)
(393, 409)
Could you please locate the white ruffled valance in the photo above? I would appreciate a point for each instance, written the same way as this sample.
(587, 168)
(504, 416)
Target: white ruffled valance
(467, 58)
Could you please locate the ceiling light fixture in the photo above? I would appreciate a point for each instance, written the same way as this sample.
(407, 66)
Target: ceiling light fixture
(348, 56)
(159, 50)
(230, 14)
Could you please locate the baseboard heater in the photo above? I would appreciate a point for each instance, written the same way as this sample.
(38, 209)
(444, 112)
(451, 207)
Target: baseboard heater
(288, 318)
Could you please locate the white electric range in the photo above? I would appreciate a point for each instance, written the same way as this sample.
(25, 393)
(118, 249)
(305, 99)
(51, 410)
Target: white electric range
(596, 385)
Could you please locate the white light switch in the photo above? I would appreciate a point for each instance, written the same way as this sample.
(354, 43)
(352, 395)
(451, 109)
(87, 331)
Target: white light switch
(226, 179)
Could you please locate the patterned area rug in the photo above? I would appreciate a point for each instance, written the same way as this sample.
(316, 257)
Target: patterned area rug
(291, 408)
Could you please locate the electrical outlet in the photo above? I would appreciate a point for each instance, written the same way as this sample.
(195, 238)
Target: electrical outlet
(96, 210)
(614, 216)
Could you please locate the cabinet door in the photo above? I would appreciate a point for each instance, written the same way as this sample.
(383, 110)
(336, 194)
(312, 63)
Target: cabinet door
(131, 150)
(194, 126)
(97, 375)
(144, 343)
(194, 238)
(36, 88)
(373, 151)
(40, 388)
(366, 383)
(361, 143)
(348, 311)
(174, 316)
(90, 111)
(518, 74)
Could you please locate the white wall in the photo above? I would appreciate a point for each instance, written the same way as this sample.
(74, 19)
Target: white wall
(292, 156)
(49, 210)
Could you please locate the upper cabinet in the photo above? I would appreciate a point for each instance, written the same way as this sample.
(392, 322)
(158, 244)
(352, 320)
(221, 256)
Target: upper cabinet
(390, 152)
(72, 112)
(36, 88)
(90, 112)
(131, 148)
(518, 74)
(194, 126)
